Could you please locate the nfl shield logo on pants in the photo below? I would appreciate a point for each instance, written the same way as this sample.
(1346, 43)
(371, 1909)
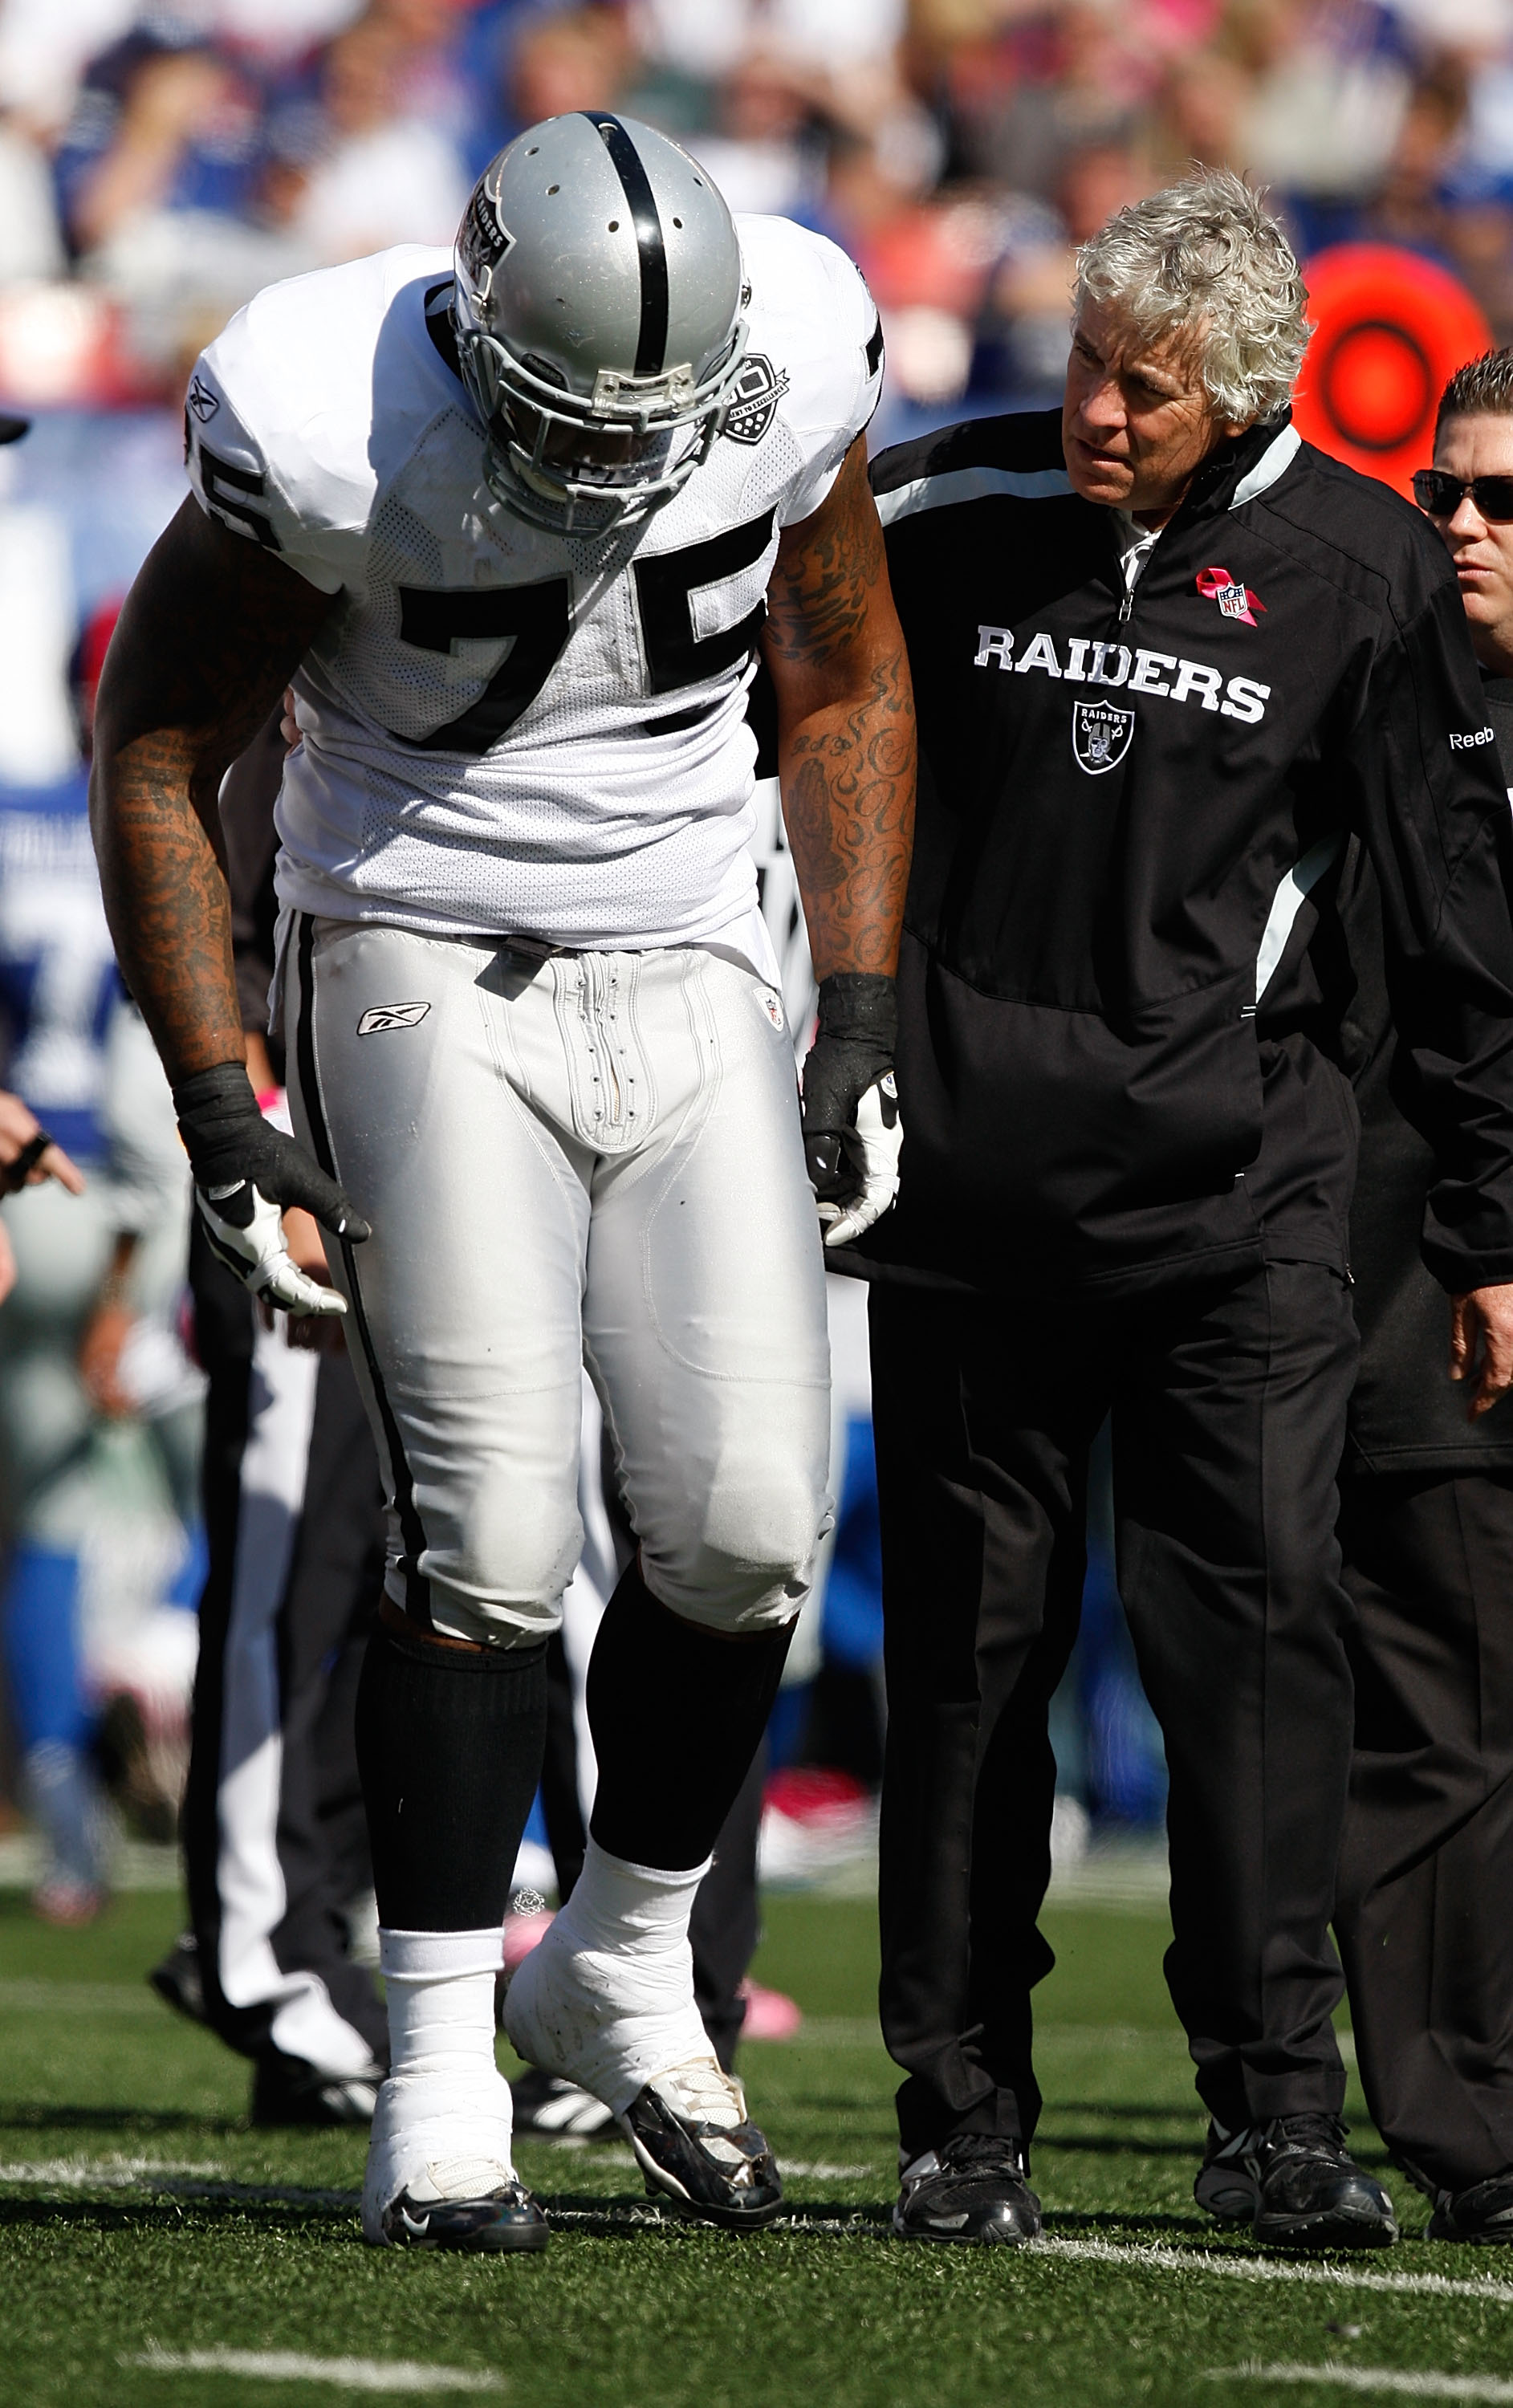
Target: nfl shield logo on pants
(1101, 733)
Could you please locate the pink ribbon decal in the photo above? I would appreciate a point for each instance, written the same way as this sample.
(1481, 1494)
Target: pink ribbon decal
(1235, 600)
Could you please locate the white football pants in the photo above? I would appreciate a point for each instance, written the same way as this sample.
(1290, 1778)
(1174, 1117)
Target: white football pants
(595, 1159)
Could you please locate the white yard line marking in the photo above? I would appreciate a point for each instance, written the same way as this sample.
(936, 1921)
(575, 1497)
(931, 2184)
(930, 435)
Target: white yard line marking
(816, 2170)
(291, 2366)
(1269, 2269)
(105, 2173)
(80, 1999)
(588, 2152)
(234, 2194)
(1375, 2378)
(136, 1864)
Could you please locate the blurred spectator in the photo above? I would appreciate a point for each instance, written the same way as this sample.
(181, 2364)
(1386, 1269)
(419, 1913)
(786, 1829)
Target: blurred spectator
(160, 177)
(1201, 113)
(765, 152)
(1023, 330)
(1409, 203)
(97, 1465)
(710, 38)
(960, 148)
(45, 50)
(577, 60)
(388, 175)
(273, 30)
(159, 123)
(1332, 91)
(1056, 81)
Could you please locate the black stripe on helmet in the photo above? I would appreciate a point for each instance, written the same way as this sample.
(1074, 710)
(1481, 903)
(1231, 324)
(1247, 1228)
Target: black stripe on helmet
(652, 341)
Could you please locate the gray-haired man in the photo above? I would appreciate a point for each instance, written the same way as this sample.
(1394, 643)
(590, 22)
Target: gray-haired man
(1166, 658)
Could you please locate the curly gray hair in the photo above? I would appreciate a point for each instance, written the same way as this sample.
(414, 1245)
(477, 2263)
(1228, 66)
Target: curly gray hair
(1205, 253)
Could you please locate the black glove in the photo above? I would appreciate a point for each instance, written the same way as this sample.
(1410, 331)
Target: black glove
(851, 1129)
(245, 1171)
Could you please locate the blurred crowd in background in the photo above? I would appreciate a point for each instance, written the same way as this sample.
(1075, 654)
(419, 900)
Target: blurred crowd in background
(158, 166)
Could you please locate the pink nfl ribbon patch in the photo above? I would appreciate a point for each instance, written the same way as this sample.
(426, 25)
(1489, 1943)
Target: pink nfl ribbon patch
(1235, 600)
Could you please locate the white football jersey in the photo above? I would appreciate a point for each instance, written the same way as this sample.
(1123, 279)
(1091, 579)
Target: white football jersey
(507, 730)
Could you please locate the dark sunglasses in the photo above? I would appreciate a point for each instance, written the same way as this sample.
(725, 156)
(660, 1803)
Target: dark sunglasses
(1439, 494)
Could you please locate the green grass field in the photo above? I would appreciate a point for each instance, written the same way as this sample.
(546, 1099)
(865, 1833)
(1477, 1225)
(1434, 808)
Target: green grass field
(143, 2221)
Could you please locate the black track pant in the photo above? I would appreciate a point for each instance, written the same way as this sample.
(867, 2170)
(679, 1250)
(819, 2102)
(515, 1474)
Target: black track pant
(275, 1844)
(1425, 1912)
(726, 1923)
(1228, 1403)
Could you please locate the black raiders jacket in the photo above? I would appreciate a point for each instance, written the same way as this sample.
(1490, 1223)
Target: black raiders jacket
(1122, 979)
(1406, 1413)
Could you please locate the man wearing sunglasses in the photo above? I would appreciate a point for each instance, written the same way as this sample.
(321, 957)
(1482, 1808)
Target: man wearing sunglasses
(1426, 1522)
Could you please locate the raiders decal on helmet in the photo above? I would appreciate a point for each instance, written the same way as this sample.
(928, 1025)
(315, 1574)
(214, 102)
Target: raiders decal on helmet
(482, 238)
(758, 388)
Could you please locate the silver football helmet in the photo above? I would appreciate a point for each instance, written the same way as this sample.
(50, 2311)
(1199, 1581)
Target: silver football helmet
(599, 312)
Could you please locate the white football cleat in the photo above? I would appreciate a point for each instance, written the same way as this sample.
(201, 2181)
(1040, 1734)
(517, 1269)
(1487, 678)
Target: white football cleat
(439, 2174)
(566, 2012)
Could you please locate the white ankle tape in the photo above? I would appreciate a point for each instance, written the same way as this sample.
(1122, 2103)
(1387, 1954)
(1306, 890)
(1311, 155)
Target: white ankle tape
(440, 1999)
(438, 1956)
(630, 1909)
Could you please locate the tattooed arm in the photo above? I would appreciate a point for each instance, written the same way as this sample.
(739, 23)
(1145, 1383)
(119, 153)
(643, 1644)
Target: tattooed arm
(211, 633)
(213, 629)
(845, 725)
(846, 759)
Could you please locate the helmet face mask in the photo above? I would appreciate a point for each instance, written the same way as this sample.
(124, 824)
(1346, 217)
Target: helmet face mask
(593, 425)
(583, 469)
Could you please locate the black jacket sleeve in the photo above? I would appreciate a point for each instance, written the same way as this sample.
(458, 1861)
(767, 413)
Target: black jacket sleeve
(1431, 805)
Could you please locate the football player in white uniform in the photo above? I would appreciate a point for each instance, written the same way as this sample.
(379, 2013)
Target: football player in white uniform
(515, 522)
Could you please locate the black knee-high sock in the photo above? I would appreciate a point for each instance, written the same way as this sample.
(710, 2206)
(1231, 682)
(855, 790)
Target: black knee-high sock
(448, 1744)
(675, 1715)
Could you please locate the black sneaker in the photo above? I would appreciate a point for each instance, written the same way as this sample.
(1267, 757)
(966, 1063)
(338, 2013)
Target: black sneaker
(973, 2187)
(1482, 2213)
(503, 2219)
(1294, 2183)
(177, 1978)
(697, 2146)
(288, 2092)
(551, 2109)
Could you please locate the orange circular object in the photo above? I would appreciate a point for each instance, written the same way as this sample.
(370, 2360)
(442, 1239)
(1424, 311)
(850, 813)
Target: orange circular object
(1389, 331)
